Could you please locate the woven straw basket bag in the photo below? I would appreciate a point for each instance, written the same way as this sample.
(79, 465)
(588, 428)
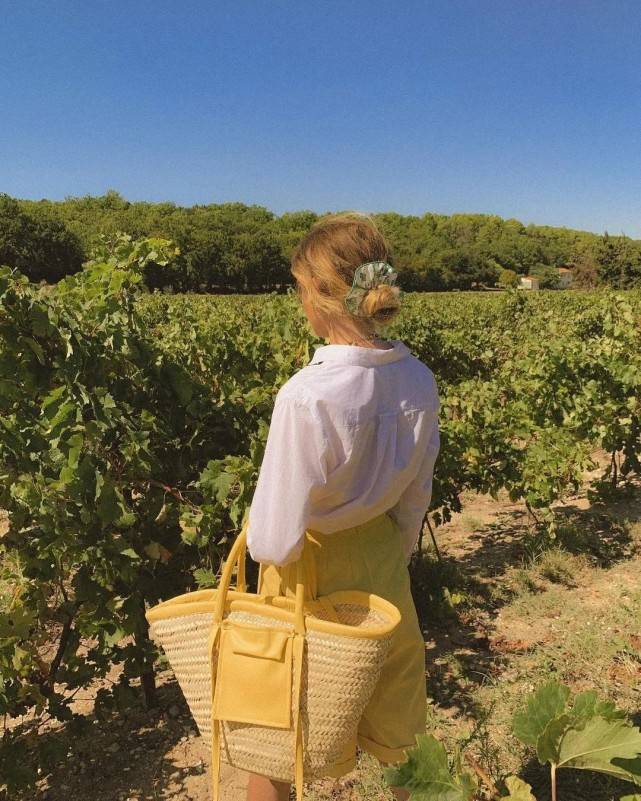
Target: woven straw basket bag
(276, 685)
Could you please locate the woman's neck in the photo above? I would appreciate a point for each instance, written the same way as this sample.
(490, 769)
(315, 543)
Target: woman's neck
(374, 342)
(337, 333)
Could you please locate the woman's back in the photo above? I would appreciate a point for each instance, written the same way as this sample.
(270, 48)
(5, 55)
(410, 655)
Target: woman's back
(353, 434)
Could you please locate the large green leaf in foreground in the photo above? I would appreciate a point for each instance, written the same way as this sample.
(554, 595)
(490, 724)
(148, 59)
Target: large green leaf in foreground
(543, 707)
(426, 773)
(607, 746)
(588, 734)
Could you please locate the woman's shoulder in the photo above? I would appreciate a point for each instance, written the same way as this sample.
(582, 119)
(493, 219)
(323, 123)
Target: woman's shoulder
(322, 389)
(425, 372)
(299, 389)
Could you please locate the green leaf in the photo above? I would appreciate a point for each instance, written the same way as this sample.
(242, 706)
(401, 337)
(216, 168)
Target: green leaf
(40, 324)
(180, 382)
(547, 744)
(189, 534)
(542, 706)
(600, 741)
(19, 657)
(223, 485)
(189, 522)
(427, 773)
(518, 789)
(628, 769)
(108, 505)
(126, 519)
(205, 578)
(75, 448)
(99, 484)
(51, 398)
(586, 705)
(36, 347)
(114, 637)
(63, 414)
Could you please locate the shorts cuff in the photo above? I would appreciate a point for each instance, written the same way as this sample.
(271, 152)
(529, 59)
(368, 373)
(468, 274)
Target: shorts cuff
(383, 752)
(339, 769)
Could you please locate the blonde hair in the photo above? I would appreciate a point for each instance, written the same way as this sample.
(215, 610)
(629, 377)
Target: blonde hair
(326, 258)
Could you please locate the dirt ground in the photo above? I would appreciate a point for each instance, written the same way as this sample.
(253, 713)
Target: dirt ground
(516, 612)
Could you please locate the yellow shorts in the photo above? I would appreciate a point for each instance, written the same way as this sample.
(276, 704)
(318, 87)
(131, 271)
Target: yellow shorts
(369, 557)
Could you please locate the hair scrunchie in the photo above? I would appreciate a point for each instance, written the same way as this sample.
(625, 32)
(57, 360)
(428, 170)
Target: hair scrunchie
(368, 276)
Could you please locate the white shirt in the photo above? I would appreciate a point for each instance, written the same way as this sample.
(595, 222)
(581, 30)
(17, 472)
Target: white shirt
(353, 434)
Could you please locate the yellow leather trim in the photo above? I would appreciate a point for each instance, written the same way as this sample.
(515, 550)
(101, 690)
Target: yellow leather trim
(281, 608)
(258, 640)
(196, 602)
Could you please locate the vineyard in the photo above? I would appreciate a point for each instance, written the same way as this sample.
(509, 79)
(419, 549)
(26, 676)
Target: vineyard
(132, 432)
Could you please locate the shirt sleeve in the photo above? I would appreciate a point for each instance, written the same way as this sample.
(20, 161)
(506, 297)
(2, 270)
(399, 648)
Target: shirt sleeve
(410, 509)
(293, 469)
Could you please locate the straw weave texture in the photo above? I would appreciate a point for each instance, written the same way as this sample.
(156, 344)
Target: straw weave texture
(339, 676)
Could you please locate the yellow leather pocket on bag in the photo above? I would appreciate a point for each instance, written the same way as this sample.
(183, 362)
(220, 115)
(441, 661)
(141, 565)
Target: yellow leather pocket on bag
(254, 675)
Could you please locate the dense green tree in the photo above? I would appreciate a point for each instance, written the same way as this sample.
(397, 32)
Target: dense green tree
(465, 267)
(585, 271)
(41, 248)
(508, 278)
(233, 247)
(619, 260)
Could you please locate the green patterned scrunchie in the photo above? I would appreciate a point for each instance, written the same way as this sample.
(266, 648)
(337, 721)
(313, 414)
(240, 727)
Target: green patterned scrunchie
(368, 276)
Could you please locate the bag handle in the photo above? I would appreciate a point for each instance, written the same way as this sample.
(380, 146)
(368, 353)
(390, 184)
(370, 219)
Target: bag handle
(238, 554)
(236, 557)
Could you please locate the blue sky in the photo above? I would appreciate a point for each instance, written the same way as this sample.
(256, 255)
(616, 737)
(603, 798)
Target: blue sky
(523, 108)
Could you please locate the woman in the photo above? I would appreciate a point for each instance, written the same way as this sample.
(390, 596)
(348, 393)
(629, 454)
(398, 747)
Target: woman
(346, 476)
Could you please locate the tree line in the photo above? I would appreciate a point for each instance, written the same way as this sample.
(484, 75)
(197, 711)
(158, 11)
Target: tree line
(233, 247)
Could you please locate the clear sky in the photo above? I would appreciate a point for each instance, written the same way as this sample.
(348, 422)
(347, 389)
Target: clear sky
(523, 108)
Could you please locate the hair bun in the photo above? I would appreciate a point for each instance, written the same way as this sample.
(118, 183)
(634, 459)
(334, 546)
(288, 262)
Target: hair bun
(381, 303)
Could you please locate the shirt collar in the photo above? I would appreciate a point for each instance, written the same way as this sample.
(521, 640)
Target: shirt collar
(357, 354)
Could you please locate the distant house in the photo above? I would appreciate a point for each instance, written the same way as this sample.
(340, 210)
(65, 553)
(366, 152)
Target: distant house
(529, 282)
(565, 277)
